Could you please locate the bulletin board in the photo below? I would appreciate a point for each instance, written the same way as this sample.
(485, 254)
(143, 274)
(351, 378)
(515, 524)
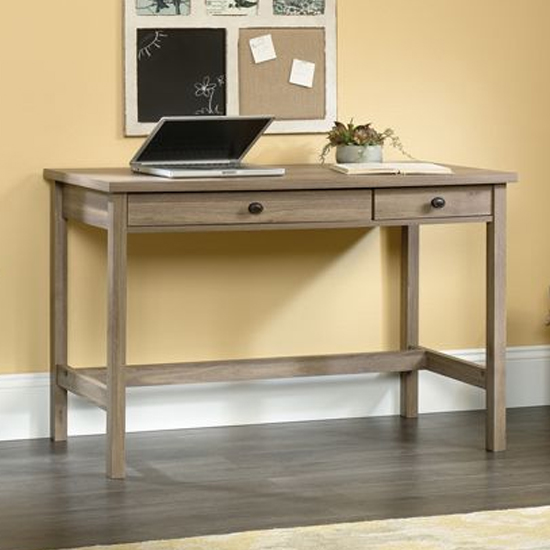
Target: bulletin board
(231, 57)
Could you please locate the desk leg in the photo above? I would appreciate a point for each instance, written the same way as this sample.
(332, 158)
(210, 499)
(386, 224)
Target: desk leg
(58, 313)
(116, 336)
(496, 323)
(409, 314)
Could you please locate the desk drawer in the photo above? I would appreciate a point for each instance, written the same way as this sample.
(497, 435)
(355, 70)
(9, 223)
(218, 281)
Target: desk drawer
(236, 208)
(432, 202)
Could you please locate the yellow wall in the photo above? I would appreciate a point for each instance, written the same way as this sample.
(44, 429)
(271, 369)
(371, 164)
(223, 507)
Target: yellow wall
(462, 81)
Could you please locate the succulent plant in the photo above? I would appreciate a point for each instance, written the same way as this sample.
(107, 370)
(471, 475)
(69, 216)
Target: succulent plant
(362, 135)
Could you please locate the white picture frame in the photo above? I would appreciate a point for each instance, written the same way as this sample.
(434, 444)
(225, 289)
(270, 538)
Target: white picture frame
(198, 17)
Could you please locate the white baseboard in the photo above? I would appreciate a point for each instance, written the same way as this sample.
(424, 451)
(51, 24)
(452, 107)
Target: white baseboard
(24, 399)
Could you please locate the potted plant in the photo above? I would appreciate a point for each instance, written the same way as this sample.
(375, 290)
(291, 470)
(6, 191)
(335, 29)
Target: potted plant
(359, 143)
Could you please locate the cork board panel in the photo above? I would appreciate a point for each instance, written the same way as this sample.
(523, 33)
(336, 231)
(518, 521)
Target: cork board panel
(264, 88)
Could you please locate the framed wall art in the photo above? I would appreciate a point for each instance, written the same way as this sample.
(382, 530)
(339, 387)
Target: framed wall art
(231, 57)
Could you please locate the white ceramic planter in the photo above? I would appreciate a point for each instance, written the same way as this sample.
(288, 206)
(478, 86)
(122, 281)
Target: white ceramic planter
(358, 153)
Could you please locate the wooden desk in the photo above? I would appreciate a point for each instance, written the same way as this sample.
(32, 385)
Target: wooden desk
(308, 196)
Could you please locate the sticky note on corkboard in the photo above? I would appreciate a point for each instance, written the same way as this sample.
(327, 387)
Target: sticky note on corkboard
(265, 88)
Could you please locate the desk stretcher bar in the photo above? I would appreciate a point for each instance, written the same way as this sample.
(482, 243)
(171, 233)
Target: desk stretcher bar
(91, 383)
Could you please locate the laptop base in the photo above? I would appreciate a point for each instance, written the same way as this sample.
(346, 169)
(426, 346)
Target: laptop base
(177, 172)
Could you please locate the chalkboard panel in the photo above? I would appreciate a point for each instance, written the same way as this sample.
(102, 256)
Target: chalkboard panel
(180, 72)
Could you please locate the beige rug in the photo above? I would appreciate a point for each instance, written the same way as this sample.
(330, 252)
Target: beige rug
(521, 529)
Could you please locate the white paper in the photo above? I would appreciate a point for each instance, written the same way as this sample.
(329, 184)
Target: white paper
(262, 48)
(302, 73)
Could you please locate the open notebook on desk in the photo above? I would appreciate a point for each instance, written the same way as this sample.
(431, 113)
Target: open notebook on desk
(391, 168)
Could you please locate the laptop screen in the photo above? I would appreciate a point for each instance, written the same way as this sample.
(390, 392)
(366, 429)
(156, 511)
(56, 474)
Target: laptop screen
(199, 139)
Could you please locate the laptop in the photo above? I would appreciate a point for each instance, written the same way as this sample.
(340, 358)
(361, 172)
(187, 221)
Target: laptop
(202, 147)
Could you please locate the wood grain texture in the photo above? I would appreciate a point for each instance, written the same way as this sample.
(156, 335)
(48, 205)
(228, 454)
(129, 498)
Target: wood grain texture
(259, 226)
(116, 335)
(79, 383)
(58, 313)
(452, 367)
(222, 480)
(307, 196)
(302, 226)
(86, 206)
(161, 209)
(263, 369)
(496, 323)
(397, 204)
(410, 280)
(298, 176)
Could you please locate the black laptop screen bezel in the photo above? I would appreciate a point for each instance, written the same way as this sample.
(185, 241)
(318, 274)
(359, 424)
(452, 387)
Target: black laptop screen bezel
(205, 139)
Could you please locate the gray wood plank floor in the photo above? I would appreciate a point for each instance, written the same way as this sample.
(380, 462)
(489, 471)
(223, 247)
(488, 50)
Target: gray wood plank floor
(193, 482)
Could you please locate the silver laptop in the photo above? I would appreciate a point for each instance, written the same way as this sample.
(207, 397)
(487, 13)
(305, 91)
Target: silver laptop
(203, 147)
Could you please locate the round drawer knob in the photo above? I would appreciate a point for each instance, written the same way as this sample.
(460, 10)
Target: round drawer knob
(438, 202)
(255, 207)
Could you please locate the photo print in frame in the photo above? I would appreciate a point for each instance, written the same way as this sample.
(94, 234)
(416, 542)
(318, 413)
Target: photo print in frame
(298, 7)
(232, 7)
(163, 7)
(171, 70)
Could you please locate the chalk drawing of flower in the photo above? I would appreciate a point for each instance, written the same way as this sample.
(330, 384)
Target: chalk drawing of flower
(207, 88)
(204, 88)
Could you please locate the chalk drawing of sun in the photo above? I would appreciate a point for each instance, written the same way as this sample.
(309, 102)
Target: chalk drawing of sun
(149, 43)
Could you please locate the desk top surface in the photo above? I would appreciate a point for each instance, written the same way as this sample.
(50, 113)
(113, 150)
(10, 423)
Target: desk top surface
(298, 176)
